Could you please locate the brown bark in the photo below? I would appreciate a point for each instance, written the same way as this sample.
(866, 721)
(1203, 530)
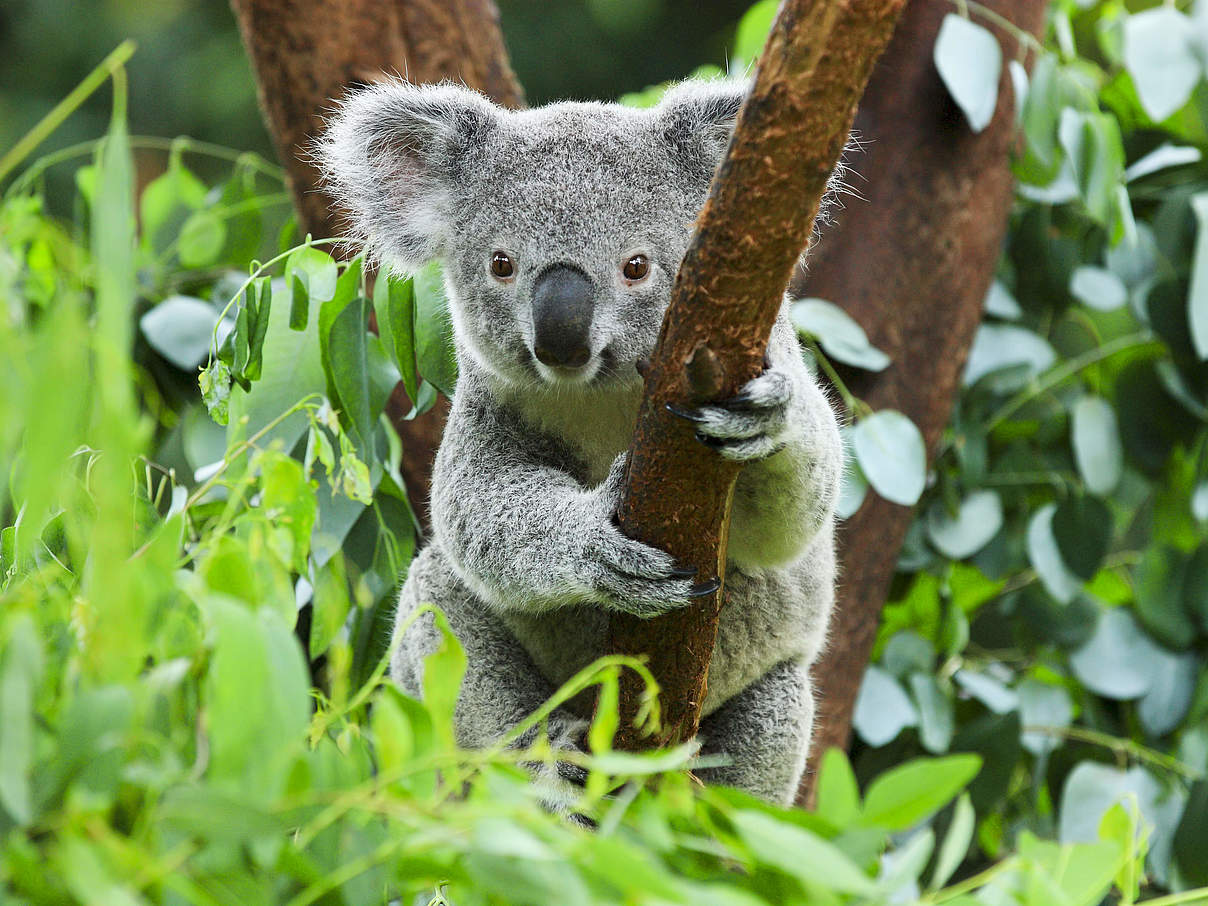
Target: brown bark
(912, 266)
(307, 53)
(758, 217)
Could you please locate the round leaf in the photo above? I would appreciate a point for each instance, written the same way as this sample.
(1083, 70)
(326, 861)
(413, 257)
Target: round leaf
(1097, 448)
(1046, 559)
(892, 456)
(1160, 56)
(1000, 346)
(840, 336)
(181, 329)
(975, 523)
(969, 61)
(1082, 526)
(1043, 705)
(201, 239)
(883, 709)
(1098, 288)
(1166, 703)
(1119, 661)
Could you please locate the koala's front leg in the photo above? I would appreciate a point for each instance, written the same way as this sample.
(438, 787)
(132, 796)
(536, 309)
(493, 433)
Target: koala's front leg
(525, 535)
(784, 429)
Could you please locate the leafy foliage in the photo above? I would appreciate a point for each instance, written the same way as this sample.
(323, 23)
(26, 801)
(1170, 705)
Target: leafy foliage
(195, 617)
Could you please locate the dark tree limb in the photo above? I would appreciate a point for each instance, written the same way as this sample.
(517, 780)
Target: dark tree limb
(307, 53)
(912, 266)
(758, 217)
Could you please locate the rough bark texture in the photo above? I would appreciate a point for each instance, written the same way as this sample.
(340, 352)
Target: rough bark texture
(758, 217)
(307, 53)
(912, 266)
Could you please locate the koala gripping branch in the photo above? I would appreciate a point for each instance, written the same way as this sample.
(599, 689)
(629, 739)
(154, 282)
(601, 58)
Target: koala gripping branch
(749, 235)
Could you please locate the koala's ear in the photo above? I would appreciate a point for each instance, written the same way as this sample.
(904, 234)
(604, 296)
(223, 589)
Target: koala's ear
(390, 156)
(696, 118)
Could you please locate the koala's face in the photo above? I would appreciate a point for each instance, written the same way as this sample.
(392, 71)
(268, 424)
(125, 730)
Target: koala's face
(560, 228)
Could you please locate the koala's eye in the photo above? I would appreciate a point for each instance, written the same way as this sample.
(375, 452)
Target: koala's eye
(636, 268)
(501, 265)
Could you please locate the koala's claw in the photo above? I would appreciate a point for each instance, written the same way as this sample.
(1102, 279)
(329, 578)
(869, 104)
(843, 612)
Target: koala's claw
(704, 589)
(753, 424)
(683, 572)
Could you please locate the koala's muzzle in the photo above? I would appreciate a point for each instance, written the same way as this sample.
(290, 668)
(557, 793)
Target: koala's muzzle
(563, 298)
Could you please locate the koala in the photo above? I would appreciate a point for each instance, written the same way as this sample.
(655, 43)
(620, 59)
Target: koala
(560, 230)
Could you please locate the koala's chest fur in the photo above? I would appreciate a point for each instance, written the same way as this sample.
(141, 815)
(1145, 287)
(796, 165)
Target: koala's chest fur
(595, 426)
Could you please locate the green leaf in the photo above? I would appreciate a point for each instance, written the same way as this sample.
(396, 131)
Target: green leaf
(181, 329)
(1096, 441)
(904, 796)
(330, 605)
(20, 670)
(394, 303)
(1161, 592)
(1160, 55)
(977, 520)
(1045, 556)
(840, 336)
(1197, 301)
(937, 718)
(299, 303)
(753, 30)
(838, 796)
(1001, 346)
(317, 271)
(1161, 158)
(257, 699)
(1095, 149)
(1001, 304)
(288, 500)
(1191, 838)
(956, 843)
(969, 61)
(892, 456)
(1082, 526)
(1098, 288)
(434, 350)
(1043, 704)
(443, 672)
(166, 201)
(1118, 661)
(201, 239)
(1168, 699)
(799, 853)
(348, 366)
(882, 710)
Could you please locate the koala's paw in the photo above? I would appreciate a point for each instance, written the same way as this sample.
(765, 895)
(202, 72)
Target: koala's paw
(627, 575)
(752, 425)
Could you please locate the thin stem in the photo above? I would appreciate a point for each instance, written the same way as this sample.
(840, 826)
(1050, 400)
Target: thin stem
(1121, 747)
(1022, 35)
(978, 880)
(855, 406)
(1069, 369)
(1199, 895)
(66, 107)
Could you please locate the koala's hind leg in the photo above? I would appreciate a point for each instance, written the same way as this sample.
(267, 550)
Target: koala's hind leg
(765, 732)
(501, 685)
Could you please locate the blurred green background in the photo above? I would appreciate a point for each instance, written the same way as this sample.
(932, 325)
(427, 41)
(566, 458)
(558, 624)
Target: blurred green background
(191, 77)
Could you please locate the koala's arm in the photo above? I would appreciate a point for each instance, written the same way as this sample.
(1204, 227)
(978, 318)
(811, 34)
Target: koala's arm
(525, 534)
(783, 501)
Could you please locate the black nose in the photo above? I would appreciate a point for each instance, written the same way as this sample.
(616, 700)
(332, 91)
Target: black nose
(562, 308)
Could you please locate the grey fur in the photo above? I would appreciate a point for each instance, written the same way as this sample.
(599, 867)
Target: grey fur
(525, 558)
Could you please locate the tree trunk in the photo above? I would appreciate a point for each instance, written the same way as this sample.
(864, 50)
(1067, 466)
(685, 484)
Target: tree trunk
(307, 53)
(757, 219)
(912, 266)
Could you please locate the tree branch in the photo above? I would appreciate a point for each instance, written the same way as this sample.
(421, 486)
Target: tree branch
(757, 219)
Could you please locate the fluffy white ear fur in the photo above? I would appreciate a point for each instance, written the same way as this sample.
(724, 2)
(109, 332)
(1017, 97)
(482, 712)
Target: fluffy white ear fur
(388, 156)
(696, 119)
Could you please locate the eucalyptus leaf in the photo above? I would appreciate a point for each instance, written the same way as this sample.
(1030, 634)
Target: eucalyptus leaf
(883, 710)
(892, 456)
(434, 350)
(1197, 302)
(1160, 55)
(1161, 158)
(181, 329)
(977, 520)
(1043, 704)
(969, 61)
(1001, 346)
(1045, 556)
(1118, 661)
(1096, 441)
(1098, 288)
(839, 335)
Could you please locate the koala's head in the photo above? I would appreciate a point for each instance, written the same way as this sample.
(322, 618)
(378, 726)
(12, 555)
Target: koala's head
(560, 228)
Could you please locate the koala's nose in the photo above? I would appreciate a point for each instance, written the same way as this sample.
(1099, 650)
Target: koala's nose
(562, 307)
